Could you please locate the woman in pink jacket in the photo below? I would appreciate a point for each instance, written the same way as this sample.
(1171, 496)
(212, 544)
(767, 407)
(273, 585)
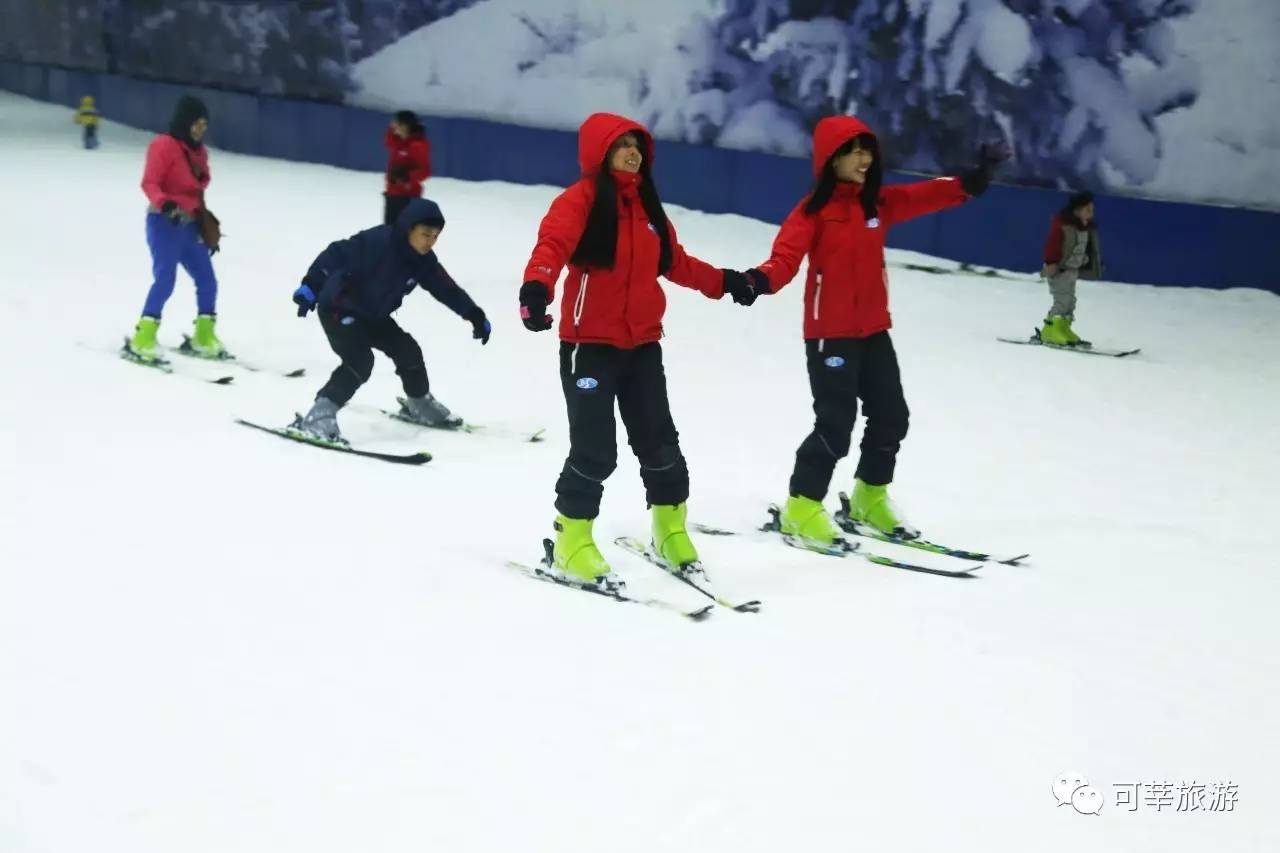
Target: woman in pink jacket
(174, 181)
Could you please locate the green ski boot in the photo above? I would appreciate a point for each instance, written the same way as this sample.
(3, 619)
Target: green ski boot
(1072, 338)
(575, 552)
(671, 540)
(143, 343)
(871, 505)
(205, 343)
(1055, 331)
(809, 520)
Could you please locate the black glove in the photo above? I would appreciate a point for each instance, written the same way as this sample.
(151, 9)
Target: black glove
(480, 327)
(975, 181)
(533, 306)
(744, 287)
(399, 173)
(171, 211)
(738, 286)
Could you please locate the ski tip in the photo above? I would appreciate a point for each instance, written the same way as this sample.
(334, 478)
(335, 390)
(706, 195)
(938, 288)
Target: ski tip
(295, 374)
(701, 614)
(223, 380)
(1013, 561)
(747, 607)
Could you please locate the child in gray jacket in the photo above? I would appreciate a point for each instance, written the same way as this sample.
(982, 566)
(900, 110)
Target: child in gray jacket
(1071, 250)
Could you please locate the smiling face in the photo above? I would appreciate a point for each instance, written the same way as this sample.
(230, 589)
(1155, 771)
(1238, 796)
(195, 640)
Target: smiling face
(852, 166)
(423, 238)
(625, 154)
(198, 129)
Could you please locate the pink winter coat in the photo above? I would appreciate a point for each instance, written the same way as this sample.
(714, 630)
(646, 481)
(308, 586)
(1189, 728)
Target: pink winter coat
(168, 175)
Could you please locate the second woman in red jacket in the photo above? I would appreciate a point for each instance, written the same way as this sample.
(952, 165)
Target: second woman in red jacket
(408, 163)
(841, 227)
(611, 230)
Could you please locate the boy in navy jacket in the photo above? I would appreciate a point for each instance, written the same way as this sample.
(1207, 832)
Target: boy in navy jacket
(355, 285)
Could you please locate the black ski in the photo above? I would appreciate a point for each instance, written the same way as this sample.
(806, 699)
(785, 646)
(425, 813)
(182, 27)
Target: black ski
(1083, 347)
(543, 572)
(839, 548)
(163, 365)
(189, 351)
(692, 575)
(294, 435)
(847, 523)
(460, 425)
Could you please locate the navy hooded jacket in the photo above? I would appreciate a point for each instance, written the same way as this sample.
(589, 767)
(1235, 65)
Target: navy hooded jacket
(369, 274)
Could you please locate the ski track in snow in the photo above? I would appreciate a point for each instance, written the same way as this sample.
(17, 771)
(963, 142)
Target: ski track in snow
(216, 640)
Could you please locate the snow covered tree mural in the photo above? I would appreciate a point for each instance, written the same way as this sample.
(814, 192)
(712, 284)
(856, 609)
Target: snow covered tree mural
(1073, 86)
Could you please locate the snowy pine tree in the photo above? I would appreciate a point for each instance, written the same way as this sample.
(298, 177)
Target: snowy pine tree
(1072, 86)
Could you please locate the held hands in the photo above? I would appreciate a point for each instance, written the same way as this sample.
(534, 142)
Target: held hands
(744, 287)
(480, 326)
(990, 155)
(1049, 271)
(533, 307)
(399, 174)
(305, 299)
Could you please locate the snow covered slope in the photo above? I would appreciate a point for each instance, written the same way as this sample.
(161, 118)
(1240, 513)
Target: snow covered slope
(215, 640)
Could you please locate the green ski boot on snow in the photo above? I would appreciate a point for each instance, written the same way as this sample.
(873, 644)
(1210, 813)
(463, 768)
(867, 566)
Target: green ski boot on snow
(1072, 338)
(205, 342)
(671, 540)
(1055, 331)
(575, 552)
(808, 520)
(871, 505)
(143, 343)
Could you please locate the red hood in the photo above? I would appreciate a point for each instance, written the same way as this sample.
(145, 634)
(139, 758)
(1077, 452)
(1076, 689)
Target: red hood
(830, 134)
(601, 130)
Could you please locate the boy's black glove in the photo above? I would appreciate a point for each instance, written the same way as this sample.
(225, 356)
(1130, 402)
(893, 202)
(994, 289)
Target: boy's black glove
(533, 306)
(480, 327)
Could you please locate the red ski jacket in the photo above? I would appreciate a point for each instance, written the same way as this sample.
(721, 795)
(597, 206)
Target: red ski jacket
(168, 175)
(622, 306)
(846, 292)
(408, 164)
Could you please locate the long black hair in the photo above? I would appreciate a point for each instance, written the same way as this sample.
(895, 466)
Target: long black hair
(826, 183)
(598, 246)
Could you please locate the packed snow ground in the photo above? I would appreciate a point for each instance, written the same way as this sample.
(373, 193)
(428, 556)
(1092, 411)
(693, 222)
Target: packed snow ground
(216, 640)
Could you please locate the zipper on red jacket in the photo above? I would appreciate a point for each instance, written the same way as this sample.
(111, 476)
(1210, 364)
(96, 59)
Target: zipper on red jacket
(579, 304)
(817, 296)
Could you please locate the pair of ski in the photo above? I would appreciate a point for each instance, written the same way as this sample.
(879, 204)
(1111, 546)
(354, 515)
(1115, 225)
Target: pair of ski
(293, 433)
(186, 349)
(691, 575)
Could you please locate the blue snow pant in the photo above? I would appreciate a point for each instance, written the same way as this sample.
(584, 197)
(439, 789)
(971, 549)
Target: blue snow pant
(90, 136)
(172, 245)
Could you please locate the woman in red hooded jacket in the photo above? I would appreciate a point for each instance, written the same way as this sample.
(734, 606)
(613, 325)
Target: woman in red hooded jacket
(841, 227)
(408, 163)
(612, 232)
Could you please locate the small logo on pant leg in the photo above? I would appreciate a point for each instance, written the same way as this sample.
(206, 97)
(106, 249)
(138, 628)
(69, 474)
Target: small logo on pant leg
(347, 320)
(834, 361)
(587, 383)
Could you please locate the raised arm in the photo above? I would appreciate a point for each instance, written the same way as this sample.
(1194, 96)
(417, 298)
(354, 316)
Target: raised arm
(901, 202)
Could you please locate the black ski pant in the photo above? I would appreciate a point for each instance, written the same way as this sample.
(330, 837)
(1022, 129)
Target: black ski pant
(842, 371)
(394, 205)
(354, 339)
(593, 377)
